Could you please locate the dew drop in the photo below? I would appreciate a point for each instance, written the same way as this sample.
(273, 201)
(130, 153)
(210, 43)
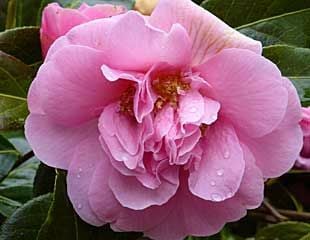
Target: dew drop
(124, 158)
(220, 172)
(216, 197)
(226, 154)
(78, 175)
(79, 206)
(212, 183)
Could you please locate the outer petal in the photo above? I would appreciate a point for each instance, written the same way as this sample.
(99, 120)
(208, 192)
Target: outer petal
(71, 87)
(251, 190)
(222, 165)
(57, 21)
(250, 89)
(100, 11)
(130, 43)
(209, 34)
(276, 152)
(87, 157)
(54, 144)
(190, 215)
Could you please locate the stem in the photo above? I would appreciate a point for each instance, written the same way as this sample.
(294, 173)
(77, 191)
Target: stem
(23, 159)
(274, 211)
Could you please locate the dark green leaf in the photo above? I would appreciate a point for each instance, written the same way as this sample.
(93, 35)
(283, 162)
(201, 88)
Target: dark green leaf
(302, 85)
(3, 9)
(44, 180)
(18, 185)
(25, 223)
(291, 60)
(8, 206)
(15, 78)
(22, 43)
(62, 222)
(76, 3)
(284, 231)
(23, 13)
(293, 63)
(240, 12)
(291, 29)
(8, 157)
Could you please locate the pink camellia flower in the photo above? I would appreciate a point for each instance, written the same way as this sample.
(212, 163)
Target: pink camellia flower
(57, 21)
(167, 124)
(303, 160)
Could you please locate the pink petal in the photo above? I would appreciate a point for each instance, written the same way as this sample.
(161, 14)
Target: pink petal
(163, 122)
(222, 165)
(130, 43)
(208, 34)
(101, 11)
(191, 107)
(276, 152)
(190, 215)
(56, 22)
(54, 144)
(132, 194)
(250, 89)
(251, 190)
(86, 158)
(78, 92)
(305, 122)
(100, 196)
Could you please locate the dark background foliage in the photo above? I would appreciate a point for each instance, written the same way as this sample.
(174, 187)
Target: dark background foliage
(33, 200)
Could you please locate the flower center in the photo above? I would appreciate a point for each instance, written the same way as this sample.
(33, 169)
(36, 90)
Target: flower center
(168, 87)
(126, 101)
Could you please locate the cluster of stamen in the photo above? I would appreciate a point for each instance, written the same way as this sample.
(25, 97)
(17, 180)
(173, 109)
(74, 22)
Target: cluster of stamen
(168, 87)
(126, 101)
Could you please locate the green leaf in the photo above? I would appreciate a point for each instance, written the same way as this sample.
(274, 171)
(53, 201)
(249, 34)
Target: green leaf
(23, 13)
(62, 223)
(306, 237)
(18, 185)
(76, 3)
(240, 12)
(302, 85)
(22, 43)
(284, 231)
(8, 206)
(15, 78)
(8, 157)
(291, 29)
(44, 180)
(3, 9)
(25, 223)
(293, 63)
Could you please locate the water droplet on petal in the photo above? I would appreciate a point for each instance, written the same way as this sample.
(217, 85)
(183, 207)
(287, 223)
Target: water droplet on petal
(124, 158)
(226, 154)
(220, 172)
(229, 195)
(216, 197)
(79, 206)
(212, 183)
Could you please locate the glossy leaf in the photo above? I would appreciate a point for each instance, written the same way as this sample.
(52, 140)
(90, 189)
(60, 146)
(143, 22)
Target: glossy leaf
(8, 206)
(240, 12)
(291, 29)
(44, 180)
(293, 63)
(18, 185)
(15, 78)
(8, 157)
(284, 231)
(25, 223)
(22, 43)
